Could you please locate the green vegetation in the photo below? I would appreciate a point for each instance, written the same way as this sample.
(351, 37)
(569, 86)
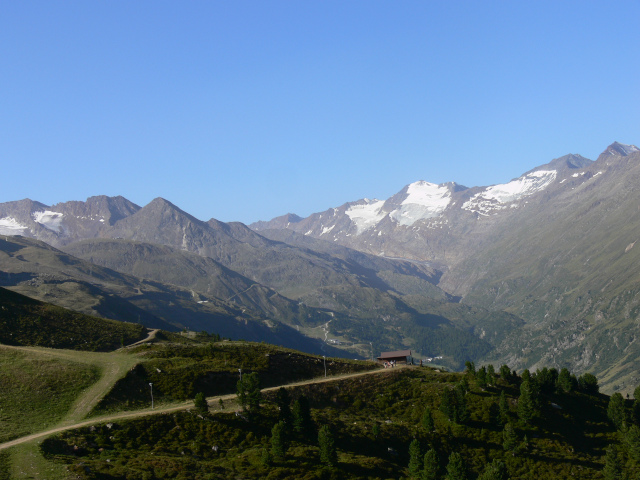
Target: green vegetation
(180, 370)
(24, 321)
(37, 390)
(375, 426)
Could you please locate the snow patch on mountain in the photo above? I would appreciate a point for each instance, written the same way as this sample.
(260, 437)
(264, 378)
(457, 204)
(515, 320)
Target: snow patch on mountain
(366, 215)
(424, 200)
(496, 196)
(10, 226)
(327, 229)
(50, 220)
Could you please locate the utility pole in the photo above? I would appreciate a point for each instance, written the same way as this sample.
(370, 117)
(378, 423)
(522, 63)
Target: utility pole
(240, 370)
(151, 386)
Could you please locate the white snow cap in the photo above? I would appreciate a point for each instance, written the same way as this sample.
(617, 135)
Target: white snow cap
(50, 220)
(424, 200)
(366, 215)
(494, 197)
(10, 226)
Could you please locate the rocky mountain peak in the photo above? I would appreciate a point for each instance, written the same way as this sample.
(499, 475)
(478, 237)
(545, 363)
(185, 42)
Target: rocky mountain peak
(620, 149)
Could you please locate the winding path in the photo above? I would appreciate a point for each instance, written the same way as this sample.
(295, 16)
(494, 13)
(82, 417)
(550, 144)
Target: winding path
(182, 406)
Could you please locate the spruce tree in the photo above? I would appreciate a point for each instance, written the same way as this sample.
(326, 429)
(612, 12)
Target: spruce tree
(430, 468)
(249, 394)
(612, 466)
(279, 444)
(447, 404)
(481, 377)
(564, 383)
(415, 459)
(491, 374)
(510, 439)
(461, 410)
(495, 470)
(301, 414)
(200, 403)
(503, 406)
(526, 409)
(616, 411)
(284, 410)
(327, 444)
(427, 420)
(455, 468)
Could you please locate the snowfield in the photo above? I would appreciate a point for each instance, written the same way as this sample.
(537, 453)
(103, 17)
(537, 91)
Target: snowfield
(366, 216)
(424, 200)
(10, 226)
(495, 197)
(50, 220)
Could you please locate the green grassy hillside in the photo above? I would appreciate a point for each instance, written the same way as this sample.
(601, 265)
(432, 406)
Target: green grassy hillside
(25, 321)
(373, 421)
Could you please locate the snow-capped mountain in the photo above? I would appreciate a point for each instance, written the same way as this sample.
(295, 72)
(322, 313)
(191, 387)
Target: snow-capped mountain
(430, 222)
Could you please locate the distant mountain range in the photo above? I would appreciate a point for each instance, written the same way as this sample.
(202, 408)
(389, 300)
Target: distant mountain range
(540, 271)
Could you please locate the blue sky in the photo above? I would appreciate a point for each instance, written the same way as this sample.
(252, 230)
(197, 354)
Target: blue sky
(243, 111)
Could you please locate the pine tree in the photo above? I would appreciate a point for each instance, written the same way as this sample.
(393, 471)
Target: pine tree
(481, 377)
(632, 441)
(510, 439)
(564, 383)
(455, 467)
(327, 444)
(427, 420)
(491, 374)
(503, 406)
(495, 470)
(612, 466)
(616, 411)
(284, 410)
(462, 412)
(249, 394)
(279, 444)
(301, 414)
(415, 459)
(447, 404)
(430, 469)
(200, 403)
(265, 458)
(526, 409)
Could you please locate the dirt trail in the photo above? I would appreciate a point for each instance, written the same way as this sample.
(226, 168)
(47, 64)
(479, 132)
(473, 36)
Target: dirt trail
(151, 336)
(182, 406)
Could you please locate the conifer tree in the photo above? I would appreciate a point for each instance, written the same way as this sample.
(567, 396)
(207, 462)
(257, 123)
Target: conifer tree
(455, 468)
(495, 470)
(461, 410)
(200, 403)
(612, 466)
(481, 377)
(249, 394)
(510, 439)
(284, 410)
(491, 374)
(564, 383)
(526, 409)
(430, 468)
(415, 459)
(447, 404)
(632, 441)
(279, 444)
(616, 411)
(503, 406)
(301, 414)
(427, 420)
(326, 442)
(505, 373)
